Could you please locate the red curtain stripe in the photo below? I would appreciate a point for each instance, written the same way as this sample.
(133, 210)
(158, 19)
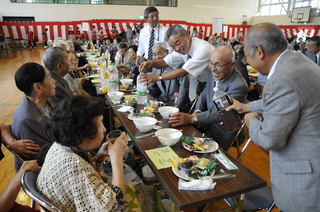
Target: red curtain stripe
(17, 30)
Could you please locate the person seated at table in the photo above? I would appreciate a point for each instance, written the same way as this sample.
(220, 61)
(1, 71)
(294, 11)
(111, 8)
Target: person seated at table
(224, 76)
(122, 59)
(80, 56)
(59, 42)
(241, 66)
(113, 48)
(73, 82)
(56, 62)
(171, 92)
(77, 44)
(132, 50)
(68, 177)
(32, 116)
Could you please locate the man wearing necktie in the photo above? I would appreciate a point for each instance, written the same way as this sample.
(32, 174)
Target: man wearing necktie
(165, 90)
(150, 34)
(314, 49)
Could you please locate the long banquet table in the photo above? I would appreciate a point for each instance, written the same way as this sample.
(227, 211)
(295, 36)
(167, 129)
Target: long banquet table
(235, 187)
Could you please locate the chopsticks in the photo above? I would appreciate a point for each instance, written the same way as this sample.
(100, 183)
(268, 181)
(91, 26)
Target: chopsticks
(167, 133)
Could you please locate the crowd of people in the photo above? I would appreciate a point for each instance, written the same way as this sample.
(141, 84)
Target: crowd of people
(64, 123)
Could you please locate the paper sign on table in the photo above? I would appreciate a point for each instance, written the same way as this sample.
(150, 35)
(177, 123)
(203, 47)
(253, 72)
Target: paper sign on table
(161, 157)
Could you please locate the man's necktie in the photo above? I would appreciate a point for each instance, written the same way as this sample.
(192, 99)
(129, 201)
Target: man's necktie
(163, 83)
(315, 59)
(151, 41)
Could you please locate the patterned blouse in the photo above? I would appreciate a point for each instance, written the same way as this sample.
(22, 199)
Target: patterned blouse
(71, 183)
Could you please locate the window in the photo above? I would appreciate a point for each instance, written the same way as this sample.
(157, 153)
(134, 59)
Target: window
(274, 7)
(314, 4)
(170, 3)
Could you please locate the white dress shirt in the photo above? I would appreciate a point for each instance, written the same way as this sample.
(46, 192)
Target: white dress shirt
(144, 38)
(200, 53)
(274, 65)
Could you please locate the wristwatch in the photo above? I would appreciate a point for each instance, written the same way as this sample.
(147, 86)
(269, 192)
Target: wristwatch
(195, 119)
(160, 77)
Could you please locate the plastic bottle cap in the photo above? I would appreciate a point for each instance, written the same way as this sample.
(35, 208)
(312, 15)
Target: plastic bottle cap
(215, 89)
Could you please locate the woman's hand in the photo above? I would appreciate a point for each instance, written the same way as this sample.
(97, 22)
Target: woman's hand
(119, 147)
(31, 165)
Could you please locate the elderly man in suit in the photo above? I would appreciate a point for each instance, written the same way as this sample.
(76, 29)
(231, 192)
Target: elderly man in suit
(313, 52)
(171, 92)
(286, 120)
(224, 76)
(56, 62)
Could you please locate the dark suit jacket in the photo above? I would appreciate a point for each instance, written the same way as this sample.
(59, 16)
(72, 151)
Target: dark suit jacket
(62, 89)
(29, 122)
(312, 57)
(179, 85)
(209, 118)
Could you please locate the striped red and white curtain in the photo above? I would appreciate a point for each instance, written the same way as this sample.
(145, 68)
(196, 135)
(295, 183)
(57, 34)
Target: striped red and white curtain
(18, 30)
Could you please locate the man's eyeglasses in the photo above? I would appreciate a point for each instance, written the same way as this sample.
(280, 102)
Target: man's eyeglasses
(217, 64)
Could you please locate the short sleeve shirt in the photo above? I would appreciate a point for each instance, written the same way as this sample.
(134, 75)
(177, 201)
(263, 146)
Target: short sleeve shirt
(196, 62)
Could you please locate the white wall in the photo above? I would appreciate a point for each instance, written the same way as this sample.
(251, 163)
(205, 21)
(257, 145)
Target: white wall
(195, 11)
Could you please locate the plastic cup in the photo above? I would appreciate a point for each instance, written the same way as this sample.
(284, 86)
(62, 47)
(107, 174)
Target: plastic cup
(113, 135)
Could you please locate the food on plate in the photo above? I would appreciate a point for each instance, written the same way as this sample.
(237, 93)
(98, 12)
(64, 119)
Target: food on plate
(197, 144)
(129, 100)
(127, 87)
(194, 167)
(154, 104)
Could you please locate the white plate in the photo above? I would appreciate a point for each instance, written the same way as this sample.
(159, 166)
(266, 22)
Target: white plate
(130, 117)
(178, 174)
(212, 148)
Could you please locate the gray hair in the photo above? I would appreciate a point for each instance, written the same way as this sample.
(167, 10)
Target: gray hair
(59, 42)
(161, 45)
(175, 30)
(51, 57)
(267, 35)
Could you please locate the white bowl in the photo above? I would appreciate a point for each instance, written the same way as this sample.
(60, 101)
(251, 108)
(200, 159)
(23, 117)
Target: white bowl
(126, 81)
(144, 124)
(115, 96)
(169, 139)
(165, 111)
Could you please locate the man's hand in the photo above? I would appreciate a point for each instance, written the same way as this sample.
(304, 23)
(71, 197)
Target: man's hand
(25, 147)
(86, 66)
(138, 61)
(148, 78)
(239, 107)
(146, 65)
(179, 119)
(250, 116)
